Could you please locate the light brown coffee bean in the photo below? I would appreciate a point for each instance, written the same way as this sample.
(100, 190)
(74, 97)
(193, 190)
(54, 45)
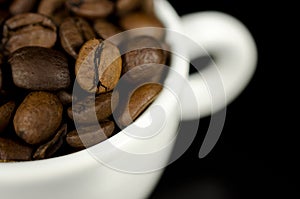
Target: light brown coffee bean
(144, 53)
(28, 29)
(6, 113)
(143, 20)
(84, 111)
(38, 117)
(74, 32)
(105, 29)
(50, 148)
(88, 136)
(21, 6)
(98, 67)
(91, 8)
(11, 150)
(126, 6)
(39, 68)
(140, 99)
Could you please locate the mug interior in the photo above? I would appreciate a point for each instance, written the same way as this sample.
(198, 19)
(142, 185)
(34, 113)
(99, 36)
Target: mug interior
(83, 159)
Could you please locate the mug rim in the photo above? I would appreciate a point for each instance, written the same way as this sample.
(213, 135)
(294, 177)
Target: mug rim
(169, 17)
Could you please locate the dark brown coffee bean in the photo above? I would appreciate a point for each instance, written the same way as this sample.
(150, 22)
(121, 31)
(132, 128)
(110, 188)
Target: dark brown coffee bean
(39, 68)
(91, 8)
(54, 9)
(105, 29)
(6, 112)
(90, 135)
(140, 99)
(74, 32)
(83, 111)
(65, 97)
(143, 50)
(11, 150)
(50, 148)
(38, 117)
(126, 6)
(29, 29)
(142, 20)
(21, 6)
(98, 67)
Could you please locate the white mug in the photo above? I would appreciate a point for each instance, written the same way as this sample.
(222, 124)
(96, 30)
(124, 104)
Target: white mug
(81, 175)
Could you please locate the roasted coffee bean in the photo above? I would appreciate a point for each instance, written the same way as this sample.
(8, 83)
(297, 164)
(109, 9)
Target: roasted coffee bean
(11, 150)
(38, 117)
(137, 103)
(143, 20)
(74, 32)
(84, 111)
(91, 8)
(105, 29)
(126, 6)
(28, 29)
(87, 136)
(144, 53)
(54, 9)
(39, 68)
(21, 6)
(50, 148)
(98, 67)
(65, 97)
(6, 112)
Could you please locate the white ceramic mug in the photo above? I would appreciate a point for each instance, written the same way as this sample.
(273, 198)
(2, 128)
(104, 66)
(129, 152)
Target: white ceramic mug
(81, 175)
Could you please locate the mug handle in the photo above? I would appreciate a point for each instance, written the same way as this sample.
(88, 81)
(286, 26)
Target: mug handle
(235, 56)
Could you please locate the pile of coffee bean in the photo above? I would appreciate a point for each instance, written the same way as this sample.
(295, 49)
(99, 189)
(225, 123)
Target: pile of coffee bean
(47, 47)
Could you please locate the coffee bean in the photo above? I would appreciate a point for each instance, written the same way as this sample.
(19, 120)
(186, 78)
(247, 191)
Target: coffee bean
(50, 148)
(137, 103)
(105, 29)
(98, 67)
(11, 150)
(21, 6)
(36, 75)
(84, 111)
(54, 9)
(144, 53)
(39, 68)
(38, 117)
(126, 6)
(91, 8)
(142, 20)
(28, 29)
(74, 32)
(6, 112)
(90, 135)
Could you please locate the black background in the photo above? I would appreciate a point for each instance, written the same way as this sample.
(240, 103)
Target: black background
(257, 154)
